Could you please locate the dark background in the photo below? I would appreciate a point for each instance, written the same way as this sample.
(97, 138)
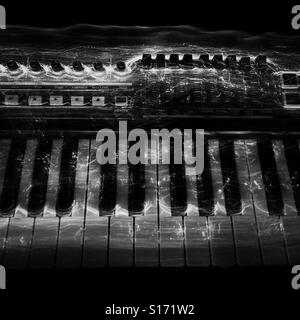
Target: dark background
(255, 16)
(210, 289)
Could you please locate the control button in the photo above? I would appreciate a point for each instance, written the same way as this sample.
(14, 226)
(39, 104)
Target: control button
(174, 60)
(11, 100)
(77, 66)
(290, 80)
(12, 65)
(121, 101)
(56, 100)
(77, 100)
(160, 60)
(146, 60)
(187, 60)
(98, 66)
(35, 66)
(98, 101)
(291, 99)
(35, 100)
(121, 66)
(57, 66)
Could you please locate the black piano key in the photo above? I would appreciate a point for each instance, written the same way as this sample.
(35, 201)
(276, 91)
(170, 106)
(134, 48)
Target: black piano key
(38, 191)
(270, 177)
(292, 154)
(136, 189)
(205, 187)
(230, 178)
(107, 200)
(65, 195)
(177, 185)
(12, 178)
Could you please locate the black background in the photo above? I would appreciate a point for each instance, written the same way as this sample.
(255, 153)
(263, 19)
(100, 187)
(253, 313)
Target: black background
(210, 289)
(255, 16)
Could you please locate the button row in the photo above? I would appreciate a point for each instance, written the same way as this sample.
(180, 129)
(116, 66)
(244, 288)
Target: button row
(60, 100)
(58, 67)
(204, 61)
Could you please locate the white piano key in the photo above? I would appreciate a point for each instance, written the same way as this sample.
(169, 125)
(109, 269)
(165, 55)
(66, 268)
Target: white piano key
(270, 230)
(291, 226)
(171, 242)
(146, 241)
(95, 242)
(53, 178)
(44, 241)
(284, 178)
(18, 243)
(94, 183)
(244, 225)
(196, 236)
(70, 242)
(121, 241)
(26, 179)
(220, 227)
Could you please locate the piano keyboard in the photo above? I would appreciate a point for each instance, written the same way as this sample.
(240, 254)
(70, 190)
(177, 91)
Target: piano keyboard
(60, 208)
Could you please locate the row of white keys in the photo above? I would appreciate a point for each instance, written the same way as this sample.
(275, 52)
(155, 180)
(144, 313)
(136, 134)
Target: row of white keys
(4, 152)
(146, 226)
(244, 225)
(220, 226)
(21, 226)
(195, 226)
(290, 220)
(270, 229)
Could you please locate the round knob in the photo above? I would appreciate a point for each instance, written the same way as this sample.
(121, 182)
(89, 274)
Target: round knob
(12, 65)
(121, 66)
(56, 66)
(98, 66)
(77, 66)
(35, 66)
